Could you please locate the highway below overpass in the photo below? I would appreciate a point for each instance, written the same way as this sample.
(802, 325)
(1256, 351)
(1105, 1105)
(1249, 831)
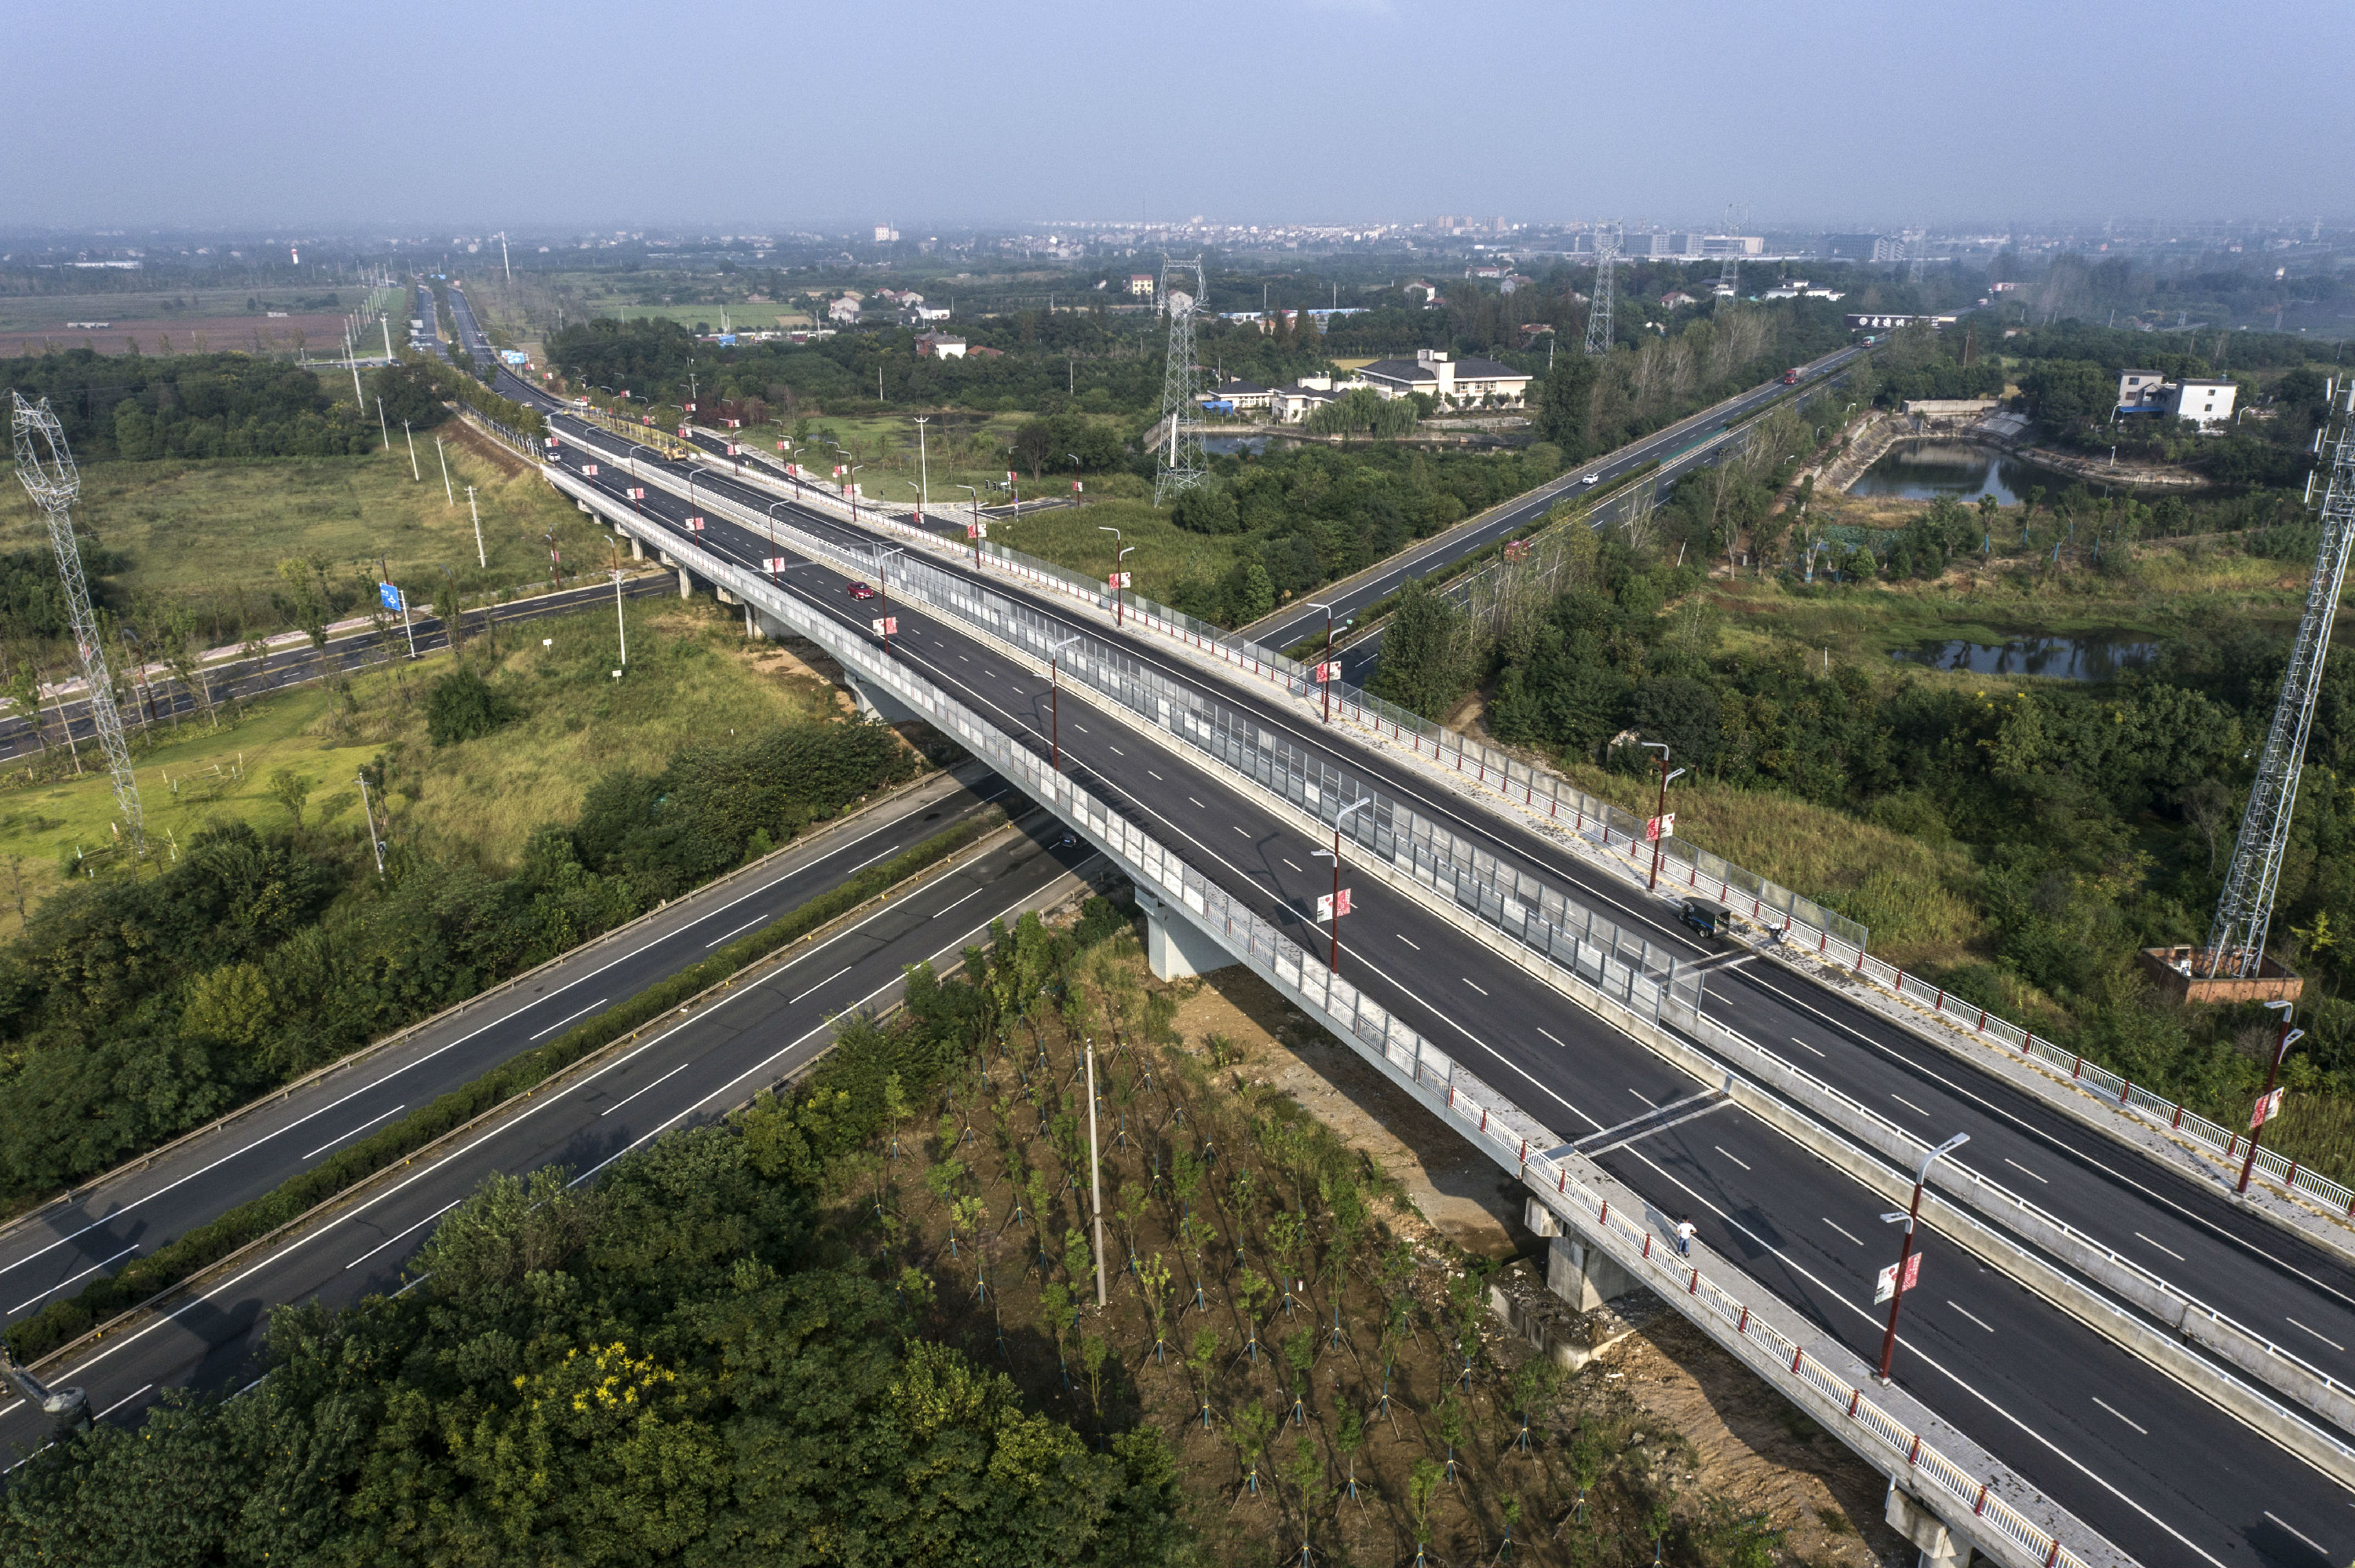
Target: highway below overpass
(716, 1057)
(2158, 1469)
(1671, 447)
(138, 1210)
(163, 700)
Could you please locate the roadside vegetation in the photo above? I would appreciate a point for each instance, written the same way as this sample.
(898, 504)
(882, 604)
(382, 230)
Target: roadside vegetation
(863, 1310)
(2015, 840)
(528, 800)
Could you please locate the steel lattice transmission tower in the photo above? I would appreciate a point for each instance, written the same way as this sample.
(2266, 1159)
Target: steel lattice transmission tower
(2236, 941)
(1728, 274)
(1598, 309)
(44, 465)
(1181, 463)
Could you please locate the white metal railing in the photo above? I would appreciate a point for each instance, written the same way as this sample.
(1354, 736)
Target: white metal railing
(1806, 924)
(1510, 1135)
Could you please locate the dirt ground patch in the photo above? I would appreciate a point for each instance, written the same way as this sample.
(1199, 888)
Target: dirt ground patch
(1723, 1436)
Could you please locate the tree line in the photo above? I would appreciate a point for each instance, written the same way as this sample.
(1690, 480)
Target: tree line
(138, 407)
(130, 1010)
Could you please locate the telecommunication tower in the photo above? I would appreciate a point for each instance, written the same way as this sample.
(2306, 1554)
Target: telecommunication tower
(44, 465)
(1729, 275)
(1181, 463)
(1598, 311)
(2236, 940)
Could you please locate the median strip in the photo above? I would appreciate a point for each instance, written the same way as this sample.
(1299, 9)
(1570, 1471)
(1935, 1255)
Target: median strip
(62, 1322)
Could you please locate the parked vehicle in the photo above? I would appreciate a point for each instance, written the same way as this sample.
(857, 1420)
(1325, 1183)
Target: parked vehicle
(1708, 919)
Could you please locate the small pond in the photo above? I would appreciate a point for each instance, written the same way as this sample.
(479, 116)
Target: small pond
(2061, 658)
(1927, 469)
(1226, 446)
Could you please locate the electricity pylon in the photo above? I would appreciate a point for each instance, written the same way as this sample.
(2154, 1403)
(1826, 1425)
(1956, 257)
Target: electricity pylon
(1598, 309)
(1729, 275)
(44, 465)
(2236, 940)
(1181, 463)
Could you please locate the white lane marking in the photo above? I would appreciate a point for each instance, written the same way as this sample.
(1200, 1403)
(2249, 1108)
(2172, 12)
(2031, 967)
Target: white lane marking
(821, 984)
(1288, 863)
(633, 1093)
(1475, 985)
(1646, 1098)
(85, 1274)
(1844, 1231)
(1197, 804)
(1909, 1104)
(946, 907)
(2023, 1169)
(1410, 941)
(1803, 1045)
(863, 864)
(1720, 1149)
(389, 1240)
(2168, 1250)
(1972, 1316)
(2112, 1410)
(355, 1131)
(1118, 752)
(2318, 1334)
(145, 1386)
(1245, 832)
(2294, 1530)
(566, 1019)
(1156, 776)
(1552, 1036)
(1080, 727)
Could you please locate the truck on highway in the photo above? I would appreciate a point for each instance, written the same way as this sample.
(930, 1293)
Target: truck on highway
(1790, 378)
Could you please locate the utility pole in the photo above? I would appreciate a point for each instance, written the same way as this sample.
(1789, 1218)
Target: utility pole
(1906, 1252)
(1660, 813)
(924, 473)
(1120, 553)
(1095, 1173)
(410, 437)
(368, 811)
(1324, 669)
(1055, 700)
(446, 493)
(475, 513)
(2264, 1107)
(1335, 853)
(383, 433)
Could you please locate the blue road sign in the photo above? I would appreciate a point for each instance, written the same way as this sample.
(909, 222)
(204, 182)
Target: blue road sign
(390, 595)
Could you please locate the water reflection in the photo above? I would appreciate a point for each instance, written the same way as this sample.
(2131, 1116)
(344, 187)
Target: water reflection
(1225, 446)
(2061, 658)
(1927, 469)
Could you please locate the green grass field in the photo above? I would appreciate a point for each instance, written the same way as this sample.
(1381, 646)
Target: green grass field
(26, 312)
(691, 675)
(211, 534)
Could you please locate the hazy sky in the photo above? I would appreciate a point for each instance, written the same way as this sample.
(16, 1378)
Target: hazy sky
(927, 113)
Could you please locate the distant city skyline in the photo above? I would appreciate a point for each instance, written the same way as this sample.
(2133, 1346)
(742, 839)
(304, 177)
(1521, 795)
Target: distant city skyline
(1825, 113)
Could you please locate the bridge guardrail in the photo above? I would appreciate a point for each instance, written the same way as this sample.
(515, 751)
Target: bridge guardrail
(1508, 1135)
(1830, 936)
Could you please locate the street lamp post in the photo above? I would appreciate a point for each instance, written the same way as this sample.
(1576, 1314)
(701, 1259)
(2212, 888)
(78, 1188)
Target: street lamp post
(2259, 1116)
(1335, 856)
(1660, 813)
(883, 584)
(1055, 699)
(1906, 1252)
(1119, 551)
(1328, 681)
(976, 493)
(924, 474)
(1075, 484)
(851, 484)
(775, 574)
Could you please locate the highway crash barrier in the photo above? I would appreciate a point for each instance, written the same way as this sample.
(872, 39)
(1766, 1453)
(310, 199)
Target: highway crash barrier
(1563, 941)
(1898, 1436)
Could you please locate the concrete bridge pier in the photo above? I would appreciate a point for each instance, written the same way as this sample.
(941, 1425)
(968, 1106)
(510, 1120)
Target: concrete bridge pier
(875, 702)
(1581, 1275)
(637, 550)
(1174, 944)
(685, 584)
(1911, 1518)
(754, 630)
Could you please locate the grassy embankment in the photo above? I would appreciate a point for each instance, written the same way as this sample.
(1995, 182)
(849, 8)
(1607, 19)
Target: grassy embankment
(691, 676)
